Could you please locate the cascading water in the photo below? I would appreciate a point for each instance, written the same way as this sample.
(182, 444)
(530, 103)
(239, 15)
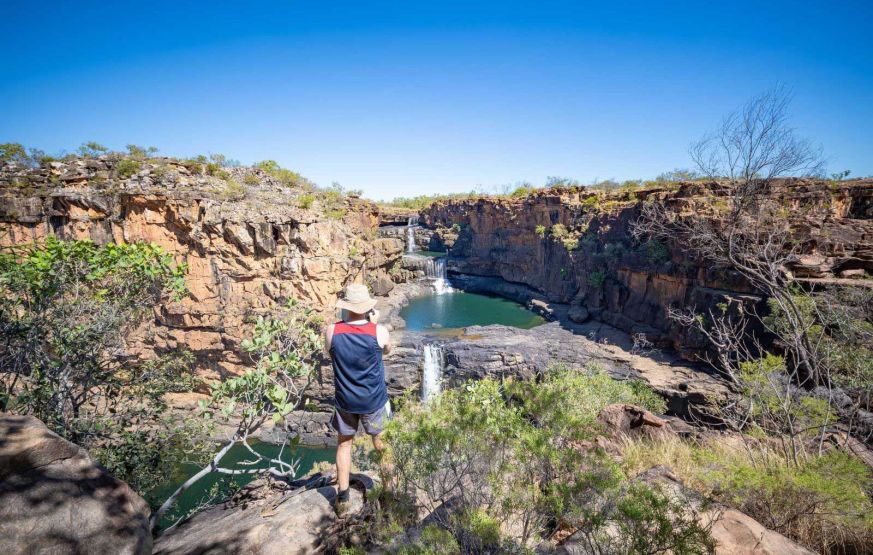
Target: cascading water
(411, 224)
(433, 362)
(436, 269)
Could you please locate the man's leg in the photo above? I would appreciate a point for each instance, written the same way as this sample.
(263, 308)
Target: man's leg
(343, 461)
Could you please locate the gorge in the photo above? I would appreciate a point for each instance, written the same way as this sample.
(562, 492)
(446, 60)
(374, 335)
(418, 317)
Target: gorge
(476, 288)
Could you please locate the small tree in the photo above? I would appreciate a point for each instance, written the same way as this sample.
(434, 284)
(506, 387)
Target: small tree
(65, 309)
(753, 238)
(285, 352)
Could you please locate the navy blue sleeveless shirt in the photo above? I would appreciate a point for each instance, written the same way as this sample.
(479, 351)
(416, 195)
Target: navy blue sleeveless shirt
(358, 371)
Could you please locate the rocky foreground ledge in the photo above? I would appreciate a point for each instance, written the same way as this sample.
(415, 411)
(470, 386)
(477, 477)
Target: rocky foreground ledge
(54, 499)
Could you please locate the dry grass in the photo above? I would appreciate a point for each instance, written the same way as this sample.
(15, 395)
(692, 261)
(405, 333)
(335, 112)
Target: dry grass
(822, 502)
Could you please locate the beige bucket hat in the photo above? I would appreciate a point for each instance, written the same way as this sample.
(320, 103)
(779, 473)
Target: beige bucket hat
(356, 298)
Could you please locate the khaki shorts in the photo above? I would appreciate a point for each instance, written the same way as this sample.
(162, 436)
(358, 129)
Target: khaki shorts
(347, 423)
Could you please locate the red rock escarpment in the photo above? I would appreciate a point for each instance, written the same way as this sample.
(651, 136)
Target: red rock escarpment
(247, 248)
(574, 246)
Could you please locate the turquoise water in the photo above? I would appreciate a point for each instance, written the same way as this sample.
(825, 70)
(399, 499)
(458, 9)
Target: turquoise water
(202, 490)
(459, 310)
(433, 254)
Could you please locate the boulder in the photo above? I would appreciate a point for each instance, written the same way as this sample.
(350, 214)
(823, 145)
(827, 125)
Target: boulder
(621, 420)
(261, 520)
(55, 499)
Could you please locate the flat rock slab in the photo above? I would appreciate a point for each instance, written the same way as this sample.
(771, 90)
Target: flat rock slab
(54, 499)
(251, 523)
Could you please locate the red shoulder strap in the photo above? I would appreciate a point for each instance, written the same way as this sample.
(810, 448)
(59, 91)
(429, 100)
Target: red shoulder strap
(340, 328)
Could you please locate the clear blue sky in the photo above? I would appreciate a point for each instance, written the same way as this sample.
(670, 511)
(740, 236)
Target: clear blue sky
(406, 98)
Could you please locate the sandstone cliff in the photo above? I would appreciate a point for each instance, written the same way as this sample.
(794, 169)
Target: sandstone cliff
(574, 246)
(250, 241)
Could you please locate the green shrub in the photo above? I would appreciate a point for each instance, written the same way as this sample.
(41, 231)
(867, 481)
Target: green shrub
(822, 502)
(503, 452)
(141, 153)
(127, 167)
(597, 278)
(433, 541)
(305, 201)
(92, 150)
(286, 177)
(567, 401)
(474, 447)
(571, 243)
(66, 308)
(592, 201)
(194, 166)
(14, 152)
(657, 251)
(559, 231)
(522, 191)
(649, 520)
(251, 179)
(540, 230)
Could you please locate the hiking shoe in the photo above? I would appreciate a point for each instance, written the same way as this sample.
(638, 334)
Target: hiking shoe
(342, 507)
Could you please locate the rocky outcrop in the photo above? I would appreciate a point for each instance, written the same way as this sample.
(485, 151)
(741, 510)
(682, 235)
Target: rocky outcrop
(55, 499)
(630, 421)
(574, 247)
(500, 350)
(250, 242)
(262, 519)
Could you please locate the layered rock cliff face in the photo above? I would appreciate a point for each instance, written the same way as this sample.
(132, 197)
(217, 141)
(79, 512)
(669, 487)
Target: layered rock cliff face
(250, 243)
(574, 246)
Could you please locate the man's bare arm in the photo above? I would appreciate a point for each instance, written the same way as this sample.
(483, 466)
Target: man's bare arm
(328, 335)
(384, 339)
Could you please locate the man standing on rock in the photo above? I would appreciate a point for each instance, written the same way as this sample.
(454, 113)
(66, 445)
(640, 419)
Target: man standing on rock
(356, 344)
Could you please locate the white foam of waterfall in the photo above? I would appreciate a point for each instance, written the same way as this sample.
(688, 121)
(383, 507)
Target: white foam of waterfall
(433, 362)
(436, 269)
(411, 224)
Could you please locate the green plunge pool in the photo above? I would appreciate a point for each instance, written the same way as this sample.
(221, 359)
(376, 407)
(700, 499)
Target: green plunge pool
(219, 486)
(459, 310)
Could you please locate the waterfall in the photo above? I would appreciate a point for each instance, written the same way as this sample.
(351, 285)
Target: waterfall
(411, 224)
(436, 269)
(432, 366)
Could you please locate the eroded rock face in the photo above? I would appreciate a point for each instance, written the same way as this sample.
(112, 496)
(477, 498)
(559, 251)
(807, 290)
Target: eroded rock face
(55, 499)
(575, 248)
(249, 242)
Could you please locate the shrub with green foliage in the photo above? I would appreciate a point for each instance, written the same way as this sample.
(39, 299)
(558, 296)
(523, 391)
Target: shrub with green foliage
(92, 150)
(285, 350)
(286, 177)
(597, 278)
(433, 541)
(823, 502)
(559, 231)
(16, 153)
(127, 168)
(141, 152)
(657, 251)
(540, 230)
(305, 201)
(65, 309)
(507, 452)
